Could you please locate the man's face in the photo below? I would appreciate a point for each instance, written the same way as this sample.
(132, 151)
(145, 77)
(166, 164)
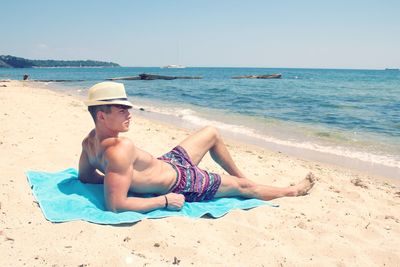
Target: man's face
(118, 119)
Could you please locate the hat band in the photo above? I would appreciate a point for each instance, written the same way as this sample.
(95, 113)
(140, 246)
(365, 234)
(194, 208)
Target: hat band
(113, 99)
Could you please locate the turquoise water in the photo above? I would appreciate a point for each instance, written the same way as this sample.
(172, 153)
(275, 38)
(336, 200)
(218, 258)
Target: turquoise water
(352, 113)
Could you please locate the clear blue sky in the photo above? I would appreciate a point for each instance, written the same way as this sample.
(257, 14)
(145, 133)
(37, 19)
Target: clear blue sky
(310, 34)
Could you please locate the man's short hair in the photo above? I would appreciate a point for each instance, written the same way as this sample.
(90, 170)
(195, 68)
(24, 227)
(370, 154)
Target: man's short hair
(105, 108)
(94, 109)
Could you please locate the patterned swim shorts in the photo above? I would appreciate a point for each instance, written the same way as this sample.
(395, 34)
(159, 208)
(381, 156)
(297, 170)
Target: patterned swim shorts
(191, 181)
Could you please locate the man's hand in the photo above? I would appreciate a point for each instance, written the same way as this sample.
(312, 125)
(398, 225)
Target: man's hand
(175, 201)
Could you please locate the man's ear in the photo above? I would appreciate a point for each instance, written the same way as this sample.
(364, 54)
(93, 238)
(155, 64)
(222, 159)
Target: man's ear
(100, 115)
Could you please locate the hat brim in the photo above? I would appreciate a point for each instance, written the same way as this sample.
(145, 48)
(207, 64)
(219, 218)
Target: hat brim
(90, 103)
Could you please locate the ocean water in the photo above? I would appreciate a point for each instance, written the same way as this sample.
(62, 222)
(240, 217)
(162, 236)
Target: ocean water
(352, 116)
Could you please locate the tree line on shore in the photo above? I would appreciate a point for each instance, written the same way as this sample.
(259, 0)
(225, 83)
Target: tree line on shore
(19, 62)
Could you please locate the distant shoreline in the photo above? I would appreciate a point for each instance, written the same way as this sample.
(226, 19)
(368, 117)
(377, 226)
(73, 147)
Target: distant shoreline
(74, 67)
(7, 61)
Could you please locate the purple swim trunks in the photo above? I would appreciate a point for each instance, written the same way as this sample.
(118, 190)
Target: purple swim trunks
(191, 181)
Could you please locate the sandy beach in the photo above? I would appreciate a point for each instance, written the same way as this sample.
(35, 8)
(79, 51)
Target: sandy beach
(350, 218)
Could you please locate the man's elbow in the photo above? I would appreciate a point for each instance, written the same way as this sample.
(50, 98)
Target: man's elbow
(112, 208)
(114, 205)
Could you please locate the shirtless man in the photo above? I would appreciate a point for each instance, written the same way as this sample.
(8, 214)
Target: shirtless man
(173, 178)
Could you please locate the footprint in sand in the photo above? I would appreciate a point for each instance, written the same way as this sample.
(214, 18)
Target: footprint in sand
(359, 182)
(334, 189)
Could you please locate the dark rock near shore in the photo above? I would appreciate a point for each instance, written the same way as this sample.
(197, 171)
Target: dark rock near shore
(267, 76)
(128, 78)
(149, 77)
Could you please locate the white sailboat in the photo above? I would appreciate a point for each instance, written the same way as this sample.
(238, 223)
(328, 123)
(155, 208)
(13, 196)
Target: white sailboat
(175, 66)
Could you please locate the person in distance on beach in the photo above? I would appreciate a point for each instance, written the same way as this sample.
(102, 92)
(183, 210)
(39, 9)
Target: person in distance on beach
(174, 177)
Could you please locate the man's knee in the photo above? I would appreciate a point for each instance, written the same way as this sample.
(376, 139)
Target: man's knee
(212, 132)
(246, 186)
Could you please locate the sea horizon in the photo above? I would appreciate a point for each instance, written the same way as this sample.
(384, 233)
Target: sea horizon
(386, 68)
(255, 67)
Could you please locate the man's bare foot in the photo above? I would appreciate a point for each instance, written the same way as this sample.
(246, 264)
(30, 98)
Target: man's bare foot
(302, 188)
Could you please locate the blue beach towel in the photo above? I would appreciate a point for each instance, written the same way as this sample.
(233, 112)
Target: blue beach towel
(62, 197)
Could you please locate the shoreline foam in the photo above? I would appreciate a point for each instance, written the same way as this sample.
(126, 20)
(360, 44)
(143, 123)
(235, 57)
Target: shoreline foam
(382, 165)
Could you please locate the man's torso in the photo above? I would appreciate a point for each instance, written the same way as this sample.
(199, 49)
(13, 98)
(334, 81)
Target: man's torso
(149, 175)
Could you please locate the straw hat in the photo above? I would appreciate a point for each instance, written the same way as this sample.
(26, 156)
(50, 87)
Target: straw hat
(107, 93)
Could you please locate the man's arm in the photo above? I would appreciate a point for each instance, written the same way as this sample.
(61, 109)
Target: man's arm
(118, 180)
(87, 173)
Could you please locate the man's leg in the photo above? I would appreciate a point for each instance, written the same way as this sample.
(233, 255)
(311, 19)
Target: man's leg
(209, 139)
(233, 187)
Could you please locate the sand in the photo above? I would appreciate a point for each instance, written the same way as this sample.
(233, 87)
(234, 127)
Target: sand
(350, 218)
